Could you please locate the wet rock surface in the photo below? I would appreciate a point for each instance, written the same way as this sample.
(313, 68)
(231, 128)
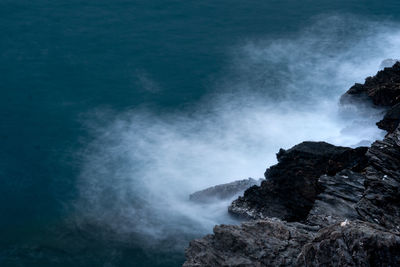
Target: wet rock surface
(334, 206)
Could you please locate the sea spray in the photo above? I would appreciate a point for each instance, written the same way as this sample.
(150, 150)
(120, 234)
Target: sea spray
(143, 165)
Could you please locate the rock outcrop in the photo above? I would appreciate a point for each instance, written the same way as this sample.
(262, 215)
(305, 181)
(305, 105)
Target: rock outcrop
(224, 191)
(333, 206)
(291, 186)
(383, 89)
(391, 119)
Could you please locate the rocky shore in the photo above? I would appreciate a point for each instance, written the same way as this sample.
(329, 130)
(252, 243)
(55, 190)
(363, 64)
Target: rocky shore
(321, 205)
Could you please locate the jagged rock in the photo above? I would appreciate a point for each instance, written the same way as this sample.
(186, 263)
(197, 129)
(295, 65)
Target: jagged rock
(224, 191)
(391, 119)
(269, 242)
(338, 198)
(292, 185)
(368, 191)
(380, 202)
(352, 243)
(383, 88)
(273, 242)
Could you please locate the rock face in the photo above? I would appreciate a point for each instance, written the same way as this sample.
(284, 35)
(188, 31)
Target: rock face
(224, 191)
(291, 186)
(334, 206)
(383, 88)
(269, 242)
(338, 199)
(391, 119)
(381, 199)
(352, 243)
(272, 242)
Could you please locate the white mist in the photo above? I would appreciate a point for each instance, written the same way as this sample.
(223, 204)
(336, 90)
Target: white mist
(275, 93)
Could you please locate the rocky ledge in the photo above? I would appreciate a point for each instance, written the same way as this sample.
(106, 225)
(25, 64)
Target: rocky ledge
(224, 191)
(321, 205)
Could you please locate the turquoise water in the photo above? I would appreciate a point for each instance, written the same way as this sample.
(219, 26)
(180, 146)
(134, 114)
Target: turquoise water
(64, 62)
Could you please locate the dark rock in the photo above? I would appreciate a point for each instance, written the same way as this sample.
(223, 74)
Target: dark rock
(352, 196)
(357, 212)
(338, 199)
(272, 242)
(383, 88)
(224, 191)
(356, 96)
(352, 243)
(291, 186)
(380, 202)
(391, 119)
(269, 242)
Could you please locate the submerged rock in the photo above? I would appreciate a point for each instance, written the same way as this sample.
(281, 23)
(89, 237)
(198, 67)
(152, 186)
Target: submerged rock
(224, 191)
(291, 186)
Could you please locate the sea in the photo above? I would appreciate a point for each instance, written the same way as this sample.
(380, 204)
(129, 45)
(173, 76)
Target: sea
(113, 112)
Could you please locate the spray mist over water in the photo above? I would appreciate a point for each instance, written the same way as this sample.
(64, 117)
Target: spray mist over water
(276, 93)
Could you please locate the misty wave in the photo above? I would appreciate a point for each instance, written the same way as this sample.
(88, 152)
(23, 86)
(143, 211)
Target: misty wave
(275, 93)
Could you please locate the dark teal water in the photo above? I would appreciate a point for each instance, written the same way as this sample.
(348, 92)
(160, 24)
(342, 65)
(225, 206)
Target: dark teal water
(60, 60)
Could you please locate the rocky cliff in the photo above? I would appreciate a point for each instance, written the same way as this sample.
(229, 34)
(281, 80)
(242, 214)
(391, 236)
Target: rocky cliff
(321, 205)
